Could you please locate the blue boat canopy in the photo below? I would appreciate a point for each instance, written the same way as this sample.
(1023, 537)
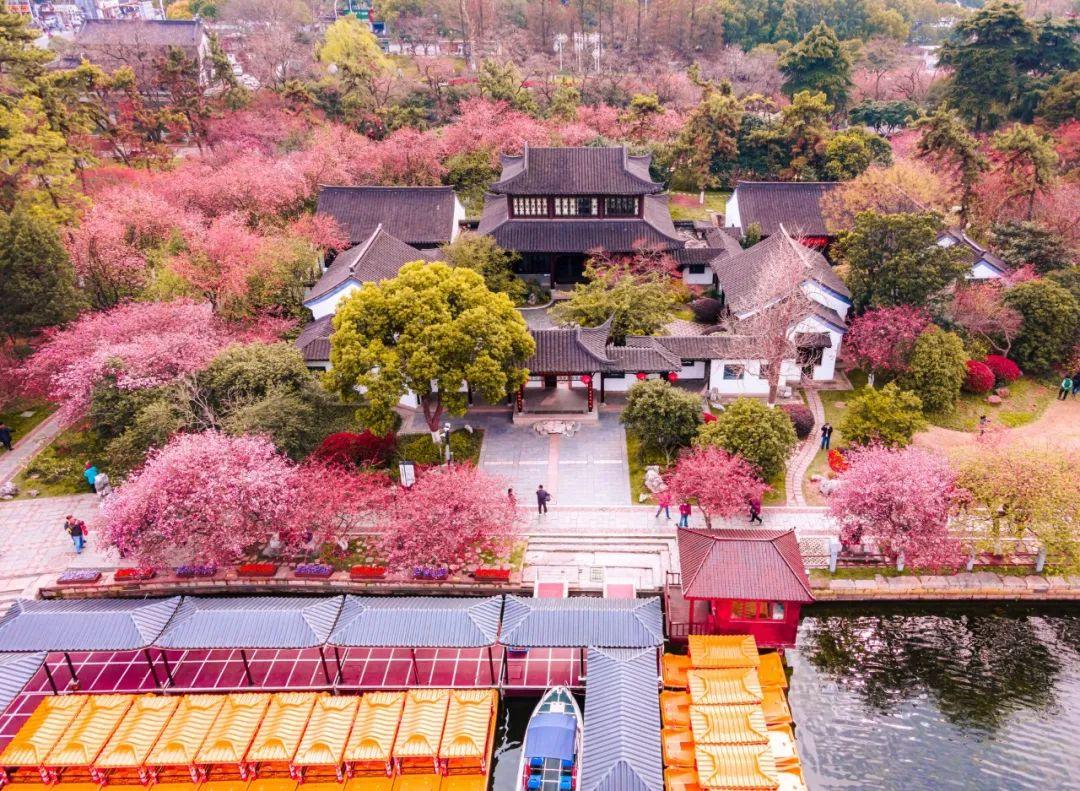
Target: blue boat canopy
(551, 735)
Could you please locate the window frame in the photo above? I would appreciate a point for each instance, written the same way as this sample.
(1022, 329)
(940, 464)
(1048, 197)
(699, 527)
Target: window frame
(625, 206)
(734, 366)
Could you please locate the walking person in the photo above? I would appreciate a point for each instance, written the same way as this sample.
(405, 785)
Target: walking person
(755, 510)
(90, 472)
(5, 435)
(1076, 383)
(542, 498)
(102, 485)
(826, 435)
(76, 528)
(684, 514)
(983, 421)
(1066, 388)
(663, 501)
(510, 496)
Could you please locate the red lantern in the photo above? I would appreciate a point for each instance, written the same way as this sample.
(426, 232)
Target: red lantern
(586, 380)
(641, 376)
(672, 376)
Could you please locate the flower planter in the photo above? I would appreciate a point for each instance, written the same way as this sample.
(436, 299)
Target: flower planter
(133, 574)
(79, 577)
(313, 571)
(430, 574)
(256, 570)
(492, 575)
(189, 572)
(367, 572)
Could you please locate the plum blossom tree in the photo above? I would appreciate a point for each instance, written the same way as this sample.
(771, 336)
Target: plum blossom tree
(333, 501)
(109, 267)
(142, 344)
(900, 500)
(881, 339)
(451, 518)
(980, 309)
(721, 483)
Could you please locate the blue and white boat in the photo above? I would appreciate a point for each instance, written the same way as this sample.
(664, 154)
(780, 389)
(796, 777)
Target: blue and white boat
(551, 755)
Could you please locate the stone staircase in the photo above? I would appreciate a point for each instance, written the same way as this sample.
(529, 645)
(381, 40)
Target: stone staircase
(586, 560)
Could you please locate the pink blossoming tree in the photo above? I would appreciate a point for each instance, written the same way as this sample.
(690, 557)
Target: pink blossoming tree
(722, 484)
(452, 517)
(901, 501)
(881, 340)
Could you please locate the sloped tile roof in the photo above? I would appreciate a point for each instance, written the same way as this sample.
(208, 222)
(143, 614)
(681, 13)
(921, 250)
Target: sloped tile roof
(418, 622)
(415, 215)
(314, 340)
(182, 33)
(621, 749)
(251, 622)
(724, 238)
(571, 350)
(575, 171)
(84, 624)
(794, 204)
(742, 564)
(708, 347)
(379, 257)
(645, 353)
(582, 621)
(580, 235)
(973, 251)
(15, 671)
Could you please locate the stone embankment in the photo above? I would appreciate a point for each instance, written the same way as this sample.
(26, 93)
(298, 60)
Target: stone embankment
(955, 587)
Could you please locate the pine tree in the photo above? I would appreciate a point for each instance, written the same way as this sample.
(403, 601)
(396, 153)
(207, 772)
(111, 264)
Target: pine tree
(39, 281)
(818, 63)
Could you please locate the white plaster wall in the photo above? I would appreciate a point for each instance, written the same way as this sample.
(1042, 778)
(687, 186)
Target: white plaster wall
(704, 279)
(751, 383)
(982, 271)
(695, 371)
(826, 298)
(327, 304)
(731, 211)
(459, 215)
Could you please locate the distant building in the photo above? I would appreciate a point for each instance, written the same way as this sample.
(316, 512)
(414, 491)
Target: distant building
(769, 204)
(554, 206)
(423, 217)
(985, 265)
(140, 43)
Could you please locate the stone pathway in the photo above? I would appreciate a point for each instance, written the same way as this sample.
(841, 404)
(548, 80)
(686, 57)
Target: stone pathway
(976, 585)
(804, 456)
(12, 463)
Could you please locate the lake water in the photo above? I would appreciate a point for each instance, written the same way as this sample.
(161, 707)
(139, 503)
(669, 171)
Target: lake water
(983, 698)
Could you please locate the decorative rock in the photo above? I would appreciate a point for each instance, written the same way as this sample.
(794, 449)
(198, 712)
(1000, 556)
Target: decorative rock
(9, 489)
(816, 477)
(840, 404)
(653, 480)
(829, 486)
(1002, 392)
(32, 492)
(994, 400)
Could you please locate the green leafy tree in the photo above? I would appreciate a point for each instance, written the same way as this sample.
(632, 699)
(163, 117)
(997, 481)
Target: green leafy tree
(818, 63)
(893, 259)
(947, 141)
(1029, 160)
(635, 304)
(989, 53)
(665, 418)
(1030, 243)
(431, 330)
(708, 142)
(1061, 102)
(639, 115)
(1051, 320)
(354, 56)
(885, 117)
(503, 82)
(469, 173)
(564, 101)
(936, 370)
(151, 427)
(37, 166)
(794, 148)
(296, 422)
(748, 428)
(23, 62)
(851, 152)
(496, 265)
(244, 373)
(1068, 279)
(39, 281)
(887, 415)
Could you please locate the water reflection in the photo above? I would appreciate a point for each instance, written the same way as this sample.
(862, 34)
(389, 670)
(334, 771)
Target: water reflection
(984, 697)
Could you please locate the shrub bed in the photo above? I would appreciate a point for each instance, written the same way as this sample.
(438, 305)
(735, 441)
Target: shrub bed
(801, 418)
(257, 569)
(134, 574)
(1004, 369)
(980, 379)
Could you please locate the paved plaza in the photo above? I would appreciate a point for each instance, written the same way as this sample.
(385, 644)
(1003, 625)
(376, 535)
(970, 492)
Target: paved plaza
(589, 468)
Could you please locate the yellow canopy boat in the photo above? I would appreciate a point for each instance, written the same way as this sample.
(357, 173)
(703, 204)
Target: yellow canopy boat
(370, 746)
(322, 750)
(416, 747)
(130, 745)
(92, 727)
(730, 686)
(41, 732)
(723, 650)
(736, 767)
(729, 724)
(183, 736)
(469, 731)
(227, 743)
(280, 732)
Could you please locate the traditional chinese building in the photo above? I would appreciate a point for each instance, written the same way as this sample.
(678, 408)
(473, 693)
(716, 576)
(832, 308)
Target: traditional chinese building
(422, 217)
(738, 581)
(795, 205)
(554, 206)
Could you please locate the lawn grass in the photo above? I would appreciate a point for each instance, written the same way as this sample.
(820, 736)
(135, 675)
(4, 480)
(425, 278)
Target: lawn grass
(1027, 401)
(21, 425)
(830, 400)
(685, 206)
(639, 458)
(58, 469)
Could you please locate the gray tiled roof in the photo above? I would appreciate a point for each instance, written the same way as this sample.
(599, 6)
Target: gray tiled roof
(742, 564)
(726, 239)
(571, 350)
(575, 171)
(975, 252)
(415, 215)
(251, 622)
(580, 235)
(15, 671)
(84, 624)
(314, 340)
(582, 621)
(378, 257)
(794, 204)
(621, 750)
(418, 622)
(182, 33)
(708, 347)
(645, 353)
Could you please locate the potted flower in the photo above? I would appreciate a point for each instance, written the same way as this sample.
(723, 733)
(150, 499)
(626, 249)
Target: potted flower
(491, 575)
(134, 574)
(256, 569)
(430, 573)
(189, 571)
(79, 577)
(316, 570)
(367, 572)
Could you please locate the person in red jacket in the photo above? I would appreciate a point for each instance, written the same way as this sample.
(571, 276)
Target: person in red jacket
(684, 514)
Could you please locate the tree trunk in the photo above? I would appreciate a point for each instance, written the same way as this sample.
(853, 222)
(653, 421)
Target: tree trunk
(433, 412)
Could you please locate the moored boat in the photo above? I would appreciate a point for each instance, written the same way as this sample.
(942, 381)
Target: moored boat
(551, 754)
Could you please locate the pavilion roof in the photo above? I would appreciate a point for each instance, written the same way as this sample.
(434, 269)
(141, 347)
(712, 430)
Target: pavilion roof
(582, 621)
(418, 622)
(84, 624)
(567, 170)
(251, 622)
(742, 564)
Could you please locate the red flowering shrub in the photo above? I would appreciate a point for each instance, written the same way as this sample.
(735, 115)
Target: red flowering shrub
(360, 450)
(257, 569)
(837, 462)
(980, 379)
(708, 417)
(801, 418)
(367, 572)
(1004, 369)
